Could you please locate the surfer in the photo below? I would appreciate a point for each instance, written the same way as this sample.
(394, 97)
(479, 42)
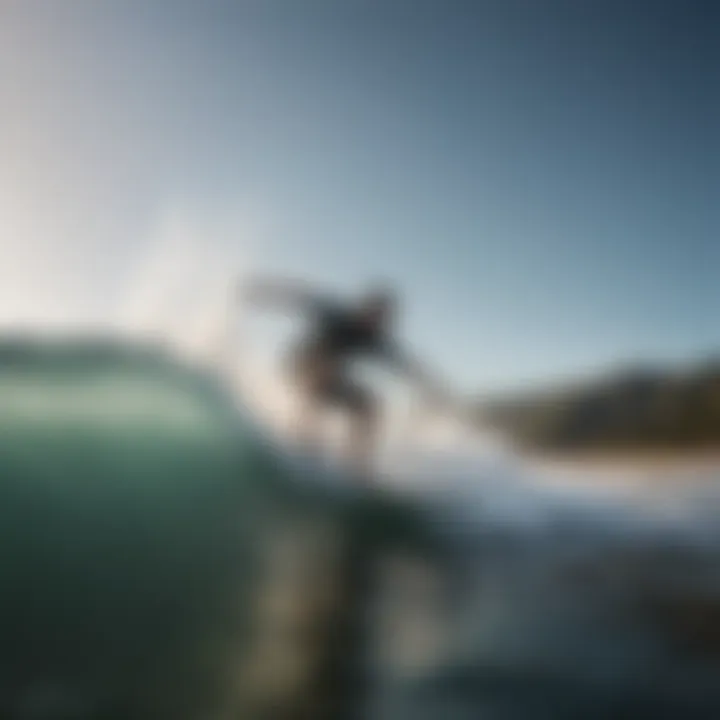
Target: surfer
(319, 364)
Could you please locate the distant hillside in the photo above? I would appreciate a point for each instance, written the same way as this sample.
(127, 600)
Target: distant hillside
(641, 409)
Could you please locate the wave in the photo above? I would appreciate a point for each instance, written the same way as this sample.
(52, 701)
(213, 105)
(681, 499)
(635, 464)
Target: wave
(165, 555)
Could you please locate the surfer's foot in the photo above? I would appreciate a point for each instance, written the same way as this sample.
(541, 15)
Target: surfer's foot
(363, 470)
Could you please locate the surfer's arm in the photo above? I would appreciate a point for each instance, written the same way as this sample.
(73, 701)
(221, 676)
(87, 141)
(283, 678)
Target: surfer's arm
(286, 294)
(433, 391)
(417, 374)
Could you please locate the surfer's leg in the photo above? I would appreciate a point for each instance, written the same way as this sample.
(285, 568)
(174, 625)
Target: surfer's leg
(307, 422)
(312, 388)
(361, 407)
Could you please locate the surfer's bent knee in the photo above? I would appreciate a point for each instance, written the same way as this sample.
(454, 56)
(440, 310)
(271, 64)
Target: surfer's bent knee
(363, 405)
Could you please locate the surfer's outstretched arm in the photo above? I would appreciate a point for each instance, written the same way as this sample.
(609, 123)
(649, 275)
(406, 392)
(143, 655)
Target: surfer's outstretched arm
(431, 388)
(284, 294)
(418, 375)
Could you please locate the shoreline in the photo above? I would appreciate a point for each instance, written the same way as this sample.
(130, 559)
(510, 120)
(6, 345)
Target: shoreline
(623, 460)
(650, 461)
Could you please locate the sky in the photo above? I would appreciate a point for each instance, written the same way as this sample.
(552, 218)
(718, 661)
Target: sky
(541, 178)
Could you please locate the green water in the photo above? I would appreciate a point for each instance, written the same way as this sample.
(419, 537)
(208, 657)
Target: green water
(156, 549)
(137, 505)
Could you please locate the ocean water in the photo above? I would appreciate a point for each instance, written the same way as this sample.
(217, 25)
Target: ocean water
(162, 557)
(573, 599)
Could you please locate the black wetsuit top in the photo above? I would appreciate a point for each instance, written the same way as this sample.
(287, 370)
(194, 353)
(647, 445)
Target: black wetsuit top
(321, 360)
(338, 336)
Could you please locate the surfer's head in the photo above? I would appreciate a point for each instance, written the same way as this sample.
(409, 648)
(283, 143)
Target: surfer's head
(378, 306)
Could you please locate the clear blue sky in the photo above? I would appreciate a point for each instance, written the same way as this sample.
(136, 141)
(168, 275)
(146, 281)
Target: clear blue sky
(541, 177)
